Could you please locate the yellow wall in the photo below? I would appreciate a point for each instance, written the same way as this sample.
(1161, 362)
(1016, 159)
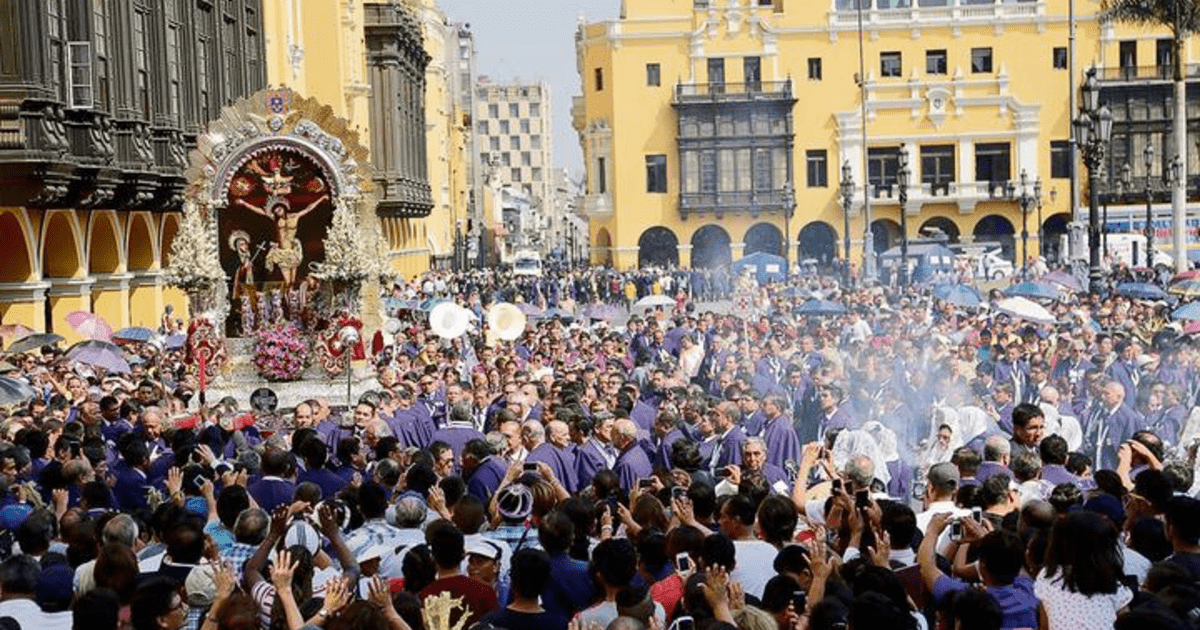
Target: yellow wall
(1023, 101)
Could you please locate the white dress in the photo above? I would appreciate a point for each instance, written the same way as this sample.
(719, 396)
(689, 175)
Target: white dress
(1066, 610)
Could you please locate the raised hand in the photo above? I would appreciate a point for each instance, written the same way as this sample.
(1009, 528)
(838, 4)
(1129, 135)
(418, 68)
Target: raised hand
(282, 570)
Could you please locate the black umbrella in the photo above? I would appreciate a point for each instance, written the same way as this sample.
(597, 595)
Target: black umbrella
(14, 391)
(33, 342)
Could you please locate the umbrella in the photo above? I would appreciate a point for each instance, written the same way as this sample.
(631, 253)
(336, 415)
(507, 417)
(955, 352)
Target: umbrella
(819, 307)
(1189, 312)
(800, 292)
(1189, 287)
(1141, 291)
(606, 312)
(655, 300)
(175, 342)
(428, 305)
(1026, 309)
(958, 294)
(551, 313)
(1192, 328)
(134, 334)
(1034, 291)
(100, 354)
(1186, 275)
(33, 342)
(14, 391)
(90, 325)
(1064, 280)
(672, 338)
(530, 310)
(15, 331)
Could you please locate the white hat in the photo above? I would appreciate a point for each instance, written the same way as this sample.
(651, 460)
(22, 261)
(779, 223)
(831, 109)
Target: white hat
(373, 552)
(481, 546)
(302, 533)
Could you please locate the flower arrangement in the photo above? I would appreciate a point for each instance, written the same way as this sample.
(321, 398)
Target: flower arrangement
(280, 352)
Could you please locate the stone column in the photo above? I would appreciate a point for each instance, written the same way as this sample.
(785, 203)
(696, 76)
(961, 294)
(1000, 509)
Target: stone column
(24, 303)
(67, 295)
(685, 255)
(110, 298)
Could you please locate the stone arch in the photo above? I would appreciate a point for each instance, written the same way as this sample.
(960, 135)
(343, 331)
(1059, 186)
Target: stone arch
(104, 251)
(62, 245)
(818, 240)
(170, 227)
(658, 247)
(141, 248)
(602, 253)
(995, 230)
(710, 247)
(1053, 229)
(946, 226)
(886, 233)
(17, 245)
(763, 237)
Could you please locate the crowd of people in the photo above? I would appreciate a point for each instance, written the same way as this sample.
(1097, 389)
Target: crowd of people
(905, 464)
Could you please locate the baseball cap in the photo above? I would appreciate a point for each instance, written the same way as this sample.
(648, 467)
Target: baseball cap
(201, 586)
(372, 553)
(11, 516)
(55, 588)
(481, 546)
(943, 476)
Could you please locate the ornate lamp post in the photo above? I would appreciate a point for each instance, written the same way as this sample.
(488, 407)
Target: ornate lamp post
(1148, 230)
(1026, 199)
(847, 190)
(789, 206)
(902, 183)
(1093, 129)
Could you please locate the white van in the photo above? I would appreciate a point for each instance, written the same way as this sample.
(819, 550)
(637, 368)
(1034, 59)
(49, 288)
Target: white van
(527, 263)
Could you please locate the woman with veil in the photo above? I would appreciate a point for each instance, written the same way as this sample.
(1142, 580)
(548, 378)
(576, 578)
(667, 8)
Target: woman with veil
(852, 442)
(900, 484)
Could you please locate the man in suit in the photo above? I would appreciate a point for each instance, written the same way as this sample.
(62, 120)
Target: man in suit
(1110, 425)
(594, 450)
(731, 436)
(132, 482)
(1124, 369)
(276, 487)
(834, 414)
(533, 434)
(1013, 369)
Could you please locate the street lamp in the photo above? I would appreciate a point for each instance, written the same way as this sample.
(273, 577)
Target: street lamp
(1026, 199)
(789, 206)
(1148, 230)
(902, 183)
(847, 189)
(1093, 129)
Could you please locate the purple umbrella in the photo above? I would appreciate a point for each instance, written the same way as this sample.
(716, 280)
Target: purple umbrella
(671, 339)
(530, 310)
(606, 312)
(99, 354)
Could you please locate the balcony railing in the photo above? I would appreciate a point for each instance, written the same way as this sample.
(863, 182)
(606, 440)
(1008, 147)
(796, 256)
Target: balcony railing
(733, 92)
(885, 12)
(750, 201)
(1146, 73)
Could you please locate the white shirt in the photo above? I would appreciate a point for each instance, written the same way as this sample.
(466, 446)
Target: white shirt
(754, 557)
(27, 613)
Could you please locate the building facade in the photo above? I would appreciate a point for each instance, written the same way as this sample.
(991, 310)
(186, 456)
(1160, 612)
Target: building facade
(713, 129)
(100, 103)
(513, 137)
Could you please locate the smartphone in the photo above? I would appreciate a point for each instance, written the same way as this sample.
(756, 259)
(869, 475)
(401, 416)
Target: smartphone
(721, 473)
(956, 530)
(645, 483)
(799, 601)
(836, 485)
(198, 481)
(678, 492)
(529, 466)
(683, 562)
(862, 499)
(685, 623)
(977, 514)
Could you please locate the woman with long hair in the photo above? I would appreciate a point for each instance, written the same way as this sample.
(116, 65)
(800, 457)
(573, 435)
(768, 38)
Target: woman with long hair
(1080, 584)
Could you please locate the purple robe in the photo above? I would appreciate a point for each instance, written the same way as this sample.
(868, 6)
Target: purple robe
(731, 448)
(589, 461)
(782, 443)
(632, 464)
(457, 436)
(556, 459)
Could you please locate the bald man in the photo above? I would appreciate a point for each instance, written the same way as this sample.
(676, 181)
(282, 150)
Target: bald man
(533, 434)
(632, 461)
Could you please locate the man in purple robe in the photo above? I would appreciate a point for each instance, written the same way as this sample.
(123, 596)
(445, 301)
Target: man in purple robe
(459, 429)
(632, 463)
(779, 434)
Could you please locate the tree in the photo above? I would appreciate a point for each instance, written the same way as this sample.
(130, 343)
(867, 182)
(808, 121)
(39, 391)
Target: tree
(1181, 17)
(353, 253)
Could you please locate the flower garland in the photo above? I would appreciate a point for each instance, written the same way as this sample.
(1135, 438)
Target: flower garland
(280, 352)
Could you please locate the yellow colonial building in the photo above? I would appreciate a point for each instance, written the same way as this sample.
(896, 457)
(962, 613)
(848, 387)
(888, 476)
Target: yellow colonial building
(712, 129)
(335, 52)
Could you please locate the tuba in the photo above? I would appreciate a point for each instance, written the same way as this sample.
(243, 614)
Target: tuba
(506, 321)
(448, 320)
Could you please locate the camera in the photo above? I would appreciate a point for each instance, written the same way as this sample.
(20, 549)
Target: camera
(862, 499)
(529, 467)
(678, 492)
(799, 601)
(956, 530)
(645, 483)
(683, 562)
